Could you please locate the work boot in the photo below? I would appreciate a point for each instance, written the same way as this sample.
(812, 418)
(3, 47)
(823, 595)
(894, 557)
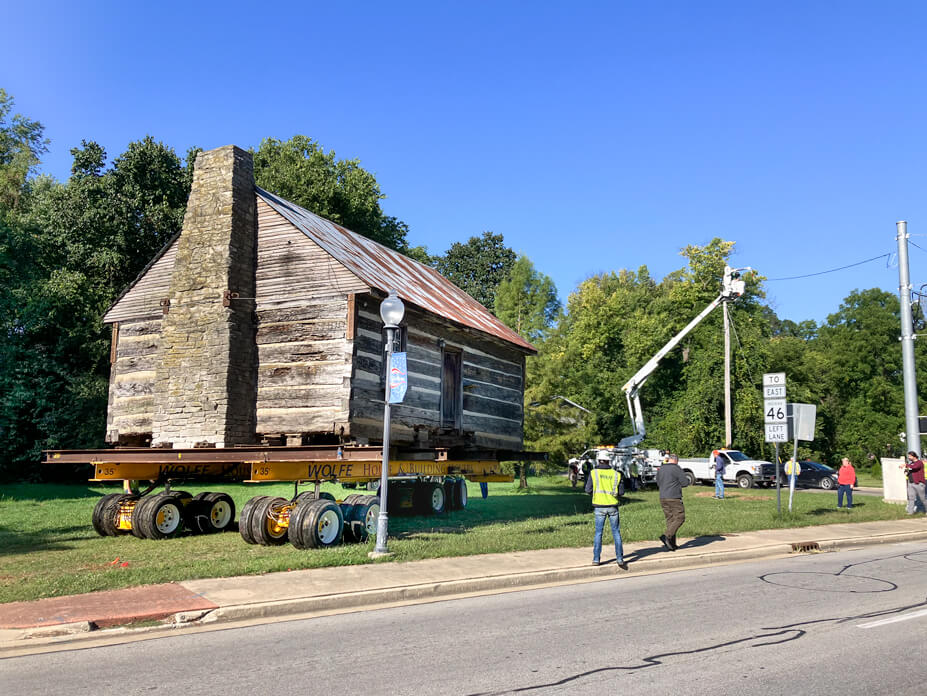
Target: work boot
(666, 543)
(672, 543)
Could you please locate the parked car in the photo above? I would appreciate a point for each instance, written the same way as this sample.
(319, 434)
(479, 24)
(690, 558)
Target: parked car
(814, 475)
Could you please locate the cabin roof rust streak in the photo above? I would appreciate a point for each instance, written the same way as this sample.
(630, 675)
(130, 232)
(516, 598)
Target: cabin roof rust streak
(385, 269)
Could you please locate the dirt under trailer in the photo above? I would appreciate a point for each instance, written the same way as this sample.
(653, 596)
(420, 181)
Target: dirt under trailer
(420, 482)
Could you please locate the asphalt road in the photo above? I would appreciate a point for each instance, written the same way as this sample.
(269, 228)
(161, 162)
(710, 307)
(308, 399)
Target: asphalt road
(853, 622)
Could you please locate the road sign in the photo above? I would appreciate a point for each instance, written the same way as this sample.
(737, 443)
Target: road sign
(775, 411)
(776, 432)
(774, 379)
(775, 408)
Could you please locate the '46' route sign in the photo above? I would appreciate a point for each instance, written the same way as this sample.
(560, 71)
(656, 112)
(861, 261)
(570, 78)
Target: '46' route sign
(775, 410)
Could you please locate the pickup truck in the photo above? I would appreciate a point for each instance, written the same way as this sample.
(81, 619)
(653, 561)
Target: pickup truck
(740, 469)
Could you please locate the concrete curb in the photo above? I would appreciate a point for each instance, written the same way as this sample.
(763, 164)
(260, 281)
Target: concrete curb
(67, 636)
(437, 591)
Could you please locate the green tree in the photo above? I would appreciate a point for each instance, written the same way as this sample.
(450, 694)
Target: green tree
(527, 301)
(74, 248)
(299, 170)
(21, 147)
(478, 266)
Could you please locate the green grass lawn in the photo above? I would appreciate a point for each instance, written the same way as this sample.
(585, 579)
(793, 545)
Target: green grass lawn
(48, 548)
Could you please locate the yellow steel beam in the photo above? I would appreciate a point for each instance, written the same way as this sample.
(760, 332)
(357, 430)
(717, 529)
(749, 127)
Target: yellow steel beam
(365, 471)
(142, 471)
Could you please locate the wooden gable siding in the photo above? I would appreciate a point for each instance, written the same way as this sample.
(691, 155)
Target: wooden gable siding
(143, 300)
(492, 382)
(131, 383)
(304, 356)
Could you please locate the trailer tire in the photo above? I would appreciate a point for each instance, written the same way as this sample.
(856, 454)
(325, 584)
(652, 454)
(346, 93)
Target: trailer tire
(99, 510)
(430, 498)
(462, 497)
(690, 477)
(264, 528)
(212, 513)
(139, 527)
(452, 501)
(310, 495)
(317, 524)
(244, 519)
(363, 521)
(162, 517)
(744, 481)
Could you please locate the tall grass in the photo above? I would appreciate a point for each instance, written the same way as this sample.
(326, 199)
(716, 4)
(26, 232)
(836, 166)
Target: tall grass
(48, 548)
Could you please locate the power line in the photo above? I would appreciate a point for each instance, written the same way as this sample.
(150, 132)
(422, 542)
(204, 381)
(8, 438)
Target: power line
(833, 270)
(915, 245)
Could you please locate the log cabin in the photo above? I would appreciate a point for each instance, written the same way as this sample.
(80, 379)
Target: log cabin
(258, 323)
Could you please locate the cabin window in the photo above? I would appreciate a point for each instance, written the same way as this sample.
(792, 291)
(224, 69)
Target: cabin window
(451, 388)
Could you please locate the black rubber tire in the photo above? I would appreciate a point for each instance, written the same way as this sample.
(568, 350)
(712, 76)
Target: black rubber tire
(744, 481)
(621, 489)
(828, 484)
(97, 518)
(211, 514)
(462, 496)
(362, 523)
(244, 519)
(318, 524)
(451, 495)
(139, 525)
(691, 477)
(429, 498)
(262, 529)
(310, 495)
(162, 517)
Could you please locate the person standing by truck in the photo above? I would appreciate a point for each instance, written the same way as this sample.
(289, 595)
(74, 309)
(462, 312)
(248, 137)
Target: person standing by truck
(671, 480)
(846, 479)
(602, 482)
(719, 464)
(914, 471)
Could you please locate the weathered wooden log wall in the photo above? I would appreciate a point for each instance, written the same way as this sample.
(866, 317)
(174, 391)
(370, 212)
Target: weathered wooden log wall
(131, 382)
(492, 384)
(304, 355)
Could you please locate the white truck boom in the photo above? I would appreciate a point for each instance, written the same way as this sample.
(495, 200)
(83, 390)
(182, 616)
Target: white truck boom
(732, 288)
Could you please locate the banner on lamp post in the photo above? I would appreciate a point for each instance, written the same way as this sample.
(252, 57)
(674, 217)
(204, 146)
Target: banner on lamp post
(398, 378)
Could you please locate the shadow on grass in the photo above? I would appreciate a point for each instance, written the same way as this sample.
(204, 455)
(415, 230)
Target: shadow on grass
(15, 542)
(817, 512)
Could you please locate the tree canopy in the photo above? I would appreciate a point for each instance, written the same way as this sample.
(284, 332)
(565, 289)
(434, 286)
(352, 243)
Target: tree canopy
(477, 266)
(299, 170)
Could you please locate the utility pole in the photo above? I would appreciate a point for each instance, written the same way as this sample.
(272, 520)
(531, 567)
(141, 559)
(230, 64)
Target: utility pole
(728, 440)
(912, 429)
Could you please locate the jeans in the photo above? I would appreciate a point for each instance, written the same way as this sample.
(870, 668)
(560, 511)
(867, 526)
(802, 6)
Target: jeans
(612, 514)
(719, 485)
(848, 489)
(915, 493)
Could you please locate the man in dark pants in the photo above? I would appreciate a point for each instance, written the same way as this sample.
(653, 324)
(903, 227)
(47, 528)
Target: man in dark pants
(602, 482)
(670, 481)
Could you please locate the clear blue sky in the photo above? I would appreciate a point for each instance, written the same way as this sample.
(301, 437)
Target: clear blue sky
(593, 136)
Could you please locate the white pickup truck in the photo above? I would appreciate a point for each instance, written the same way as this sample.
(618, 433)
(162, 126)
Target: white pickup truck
(740, 469)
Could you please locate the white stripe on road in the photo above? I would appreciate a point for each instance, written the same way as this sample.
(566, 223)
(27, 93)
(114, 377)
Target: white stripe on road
(894, 619)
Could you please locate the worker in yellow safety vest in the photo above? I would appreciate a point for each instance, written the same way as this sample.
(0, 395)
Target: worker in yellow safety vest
(603, 483)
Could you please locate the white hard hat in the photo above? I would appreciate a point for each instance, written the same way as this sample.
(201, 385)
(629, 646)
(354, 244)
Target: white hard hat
(603, 455)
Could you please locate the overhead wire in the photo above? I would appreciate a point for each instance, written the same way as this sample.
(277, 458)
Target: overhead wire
(834, 270)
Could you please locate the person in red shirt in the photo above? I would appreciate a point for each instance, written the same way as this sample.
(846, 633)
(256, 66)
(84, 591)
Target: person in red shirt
(914, 470)
(846, 479)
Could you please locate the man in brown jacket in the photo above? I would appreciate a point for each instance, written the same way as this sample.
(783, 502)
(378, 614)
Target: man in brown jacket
(671, 480)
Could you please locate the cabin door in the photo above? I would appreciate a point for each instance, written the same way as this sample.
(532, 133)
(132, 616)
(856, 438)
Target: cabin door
(451, 392)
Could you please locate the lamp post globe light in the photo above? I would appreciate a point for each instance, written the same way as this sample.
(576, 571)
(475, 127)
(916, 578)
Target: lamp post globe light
(391, 311)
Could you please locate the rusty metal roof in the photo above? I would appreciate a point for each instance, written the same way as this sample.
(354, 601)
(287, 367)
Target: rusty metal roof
(385, 269)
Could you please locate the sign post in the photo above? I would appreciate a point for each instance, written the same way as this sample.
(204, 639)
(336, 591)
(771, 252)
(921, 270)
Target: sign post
(775, 418)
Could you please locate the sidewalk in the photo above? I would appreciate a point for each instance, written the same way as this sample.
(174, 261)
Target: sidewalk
(330, 590)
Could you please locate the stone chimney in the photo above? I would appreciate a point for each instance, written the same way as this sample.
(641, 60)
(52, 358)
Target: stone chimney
(205, 387)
